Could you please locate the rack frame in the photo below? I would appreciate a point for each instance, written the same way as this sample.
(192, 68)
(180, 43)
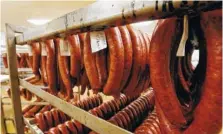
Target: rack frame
(96, 17)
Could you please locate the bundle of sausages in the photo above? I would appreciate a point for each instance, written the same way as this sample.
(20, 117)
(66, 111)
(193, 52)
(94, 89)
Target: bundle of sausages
(53, 117)
(103, 110)
(188, 100)
(69, 127)
(132, 115)
(50, 119)
(122, 67)
(150, 125)
(27, 95)
(109, 108)
(21, 62)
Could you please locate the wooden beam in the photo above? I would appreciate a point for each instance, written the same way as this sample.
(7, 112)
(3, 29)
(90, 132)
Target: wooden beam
(14, 80)
(98, 125)
(27, 103)
(101, 15)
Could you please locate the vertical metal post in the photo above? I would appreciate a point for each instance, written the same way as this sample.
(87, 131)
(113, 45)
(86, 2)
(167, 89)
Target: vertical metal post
(3, 127)
(14, 80)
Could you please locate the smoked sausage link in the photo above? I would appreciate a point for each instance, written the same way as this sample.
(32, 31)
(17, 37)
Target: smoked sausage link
(50, 66)
(160, 73)
(128, 53)
(116, 59)
(75, 56)
(64, 70)
(36, 50)
(136, 64)
(90, 65)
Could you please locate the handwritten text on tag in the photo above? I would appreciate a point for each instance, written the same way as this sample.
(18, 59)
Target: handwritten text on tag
(64, 48)
(98, 41)
(43, 49)
(30, 50)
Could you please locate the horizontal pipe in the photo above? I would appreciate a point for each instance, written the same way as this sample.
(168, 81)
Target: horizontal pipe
(101, 15)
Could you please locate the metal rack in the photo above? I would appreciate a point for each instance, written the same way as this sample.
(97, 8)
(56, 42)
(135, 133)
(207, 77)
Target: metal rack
(97, 16)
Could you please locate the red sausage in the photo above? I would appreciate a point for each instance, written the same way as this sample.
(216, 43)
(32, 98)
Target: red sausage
(64, 71)
(41, 121)
(101, 66)
(51, 66)
(208, 113)
(49, 118)
(116, 56)
(128, 53)
(36, 50)
(63, 129)
(56, 118)
(137, 62)
(75, 57)
(71, 127)
(33, 111)
(4, 58)
(160, 74)
(43, 66)
(90, 66)
(54, 130)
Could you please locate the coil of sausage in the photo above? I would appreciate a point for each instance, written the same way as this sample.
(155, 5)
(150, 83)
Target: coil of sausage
(208, 113)
(160, 74)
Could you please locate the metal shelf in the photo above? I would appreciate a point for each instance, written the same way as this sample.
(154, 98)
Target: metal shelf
(97, 16)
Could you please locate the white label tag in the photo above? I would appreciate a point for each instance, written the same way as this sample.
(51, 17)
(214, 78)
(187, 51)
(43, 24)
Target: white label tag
(98, 41)
(64, 48)
(43, 49)
(4, 55)
(181, 48)
(30, 50)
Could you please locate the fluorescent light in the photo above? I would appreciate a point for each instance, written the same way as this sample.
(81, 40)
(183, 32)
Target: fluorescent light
(38, 21)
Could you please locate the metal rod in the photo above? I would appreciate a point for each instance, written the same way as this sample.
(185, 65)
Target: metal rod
(14, 83)
(33, 128)
(101, 15)
(98, 125)
(28, 103)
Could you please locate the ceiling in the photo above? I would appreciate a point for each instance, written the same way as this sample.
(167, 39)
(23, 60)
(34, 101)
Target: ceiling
(18, 12)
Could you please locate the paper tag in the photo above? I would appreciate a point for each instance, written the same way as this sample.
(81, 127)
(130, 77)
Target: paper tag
(30, 50)
(181, 48)
(98, 41)
(43, 49)
(4, 55)
(64, 48)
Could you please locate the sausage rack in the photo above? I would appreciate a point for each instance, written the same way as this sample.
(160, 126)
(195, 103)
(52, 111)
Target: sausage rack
(95, 17)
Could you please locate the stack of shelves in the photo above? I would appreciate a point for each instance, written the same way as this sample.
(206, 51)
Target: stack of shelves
(95, 17)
